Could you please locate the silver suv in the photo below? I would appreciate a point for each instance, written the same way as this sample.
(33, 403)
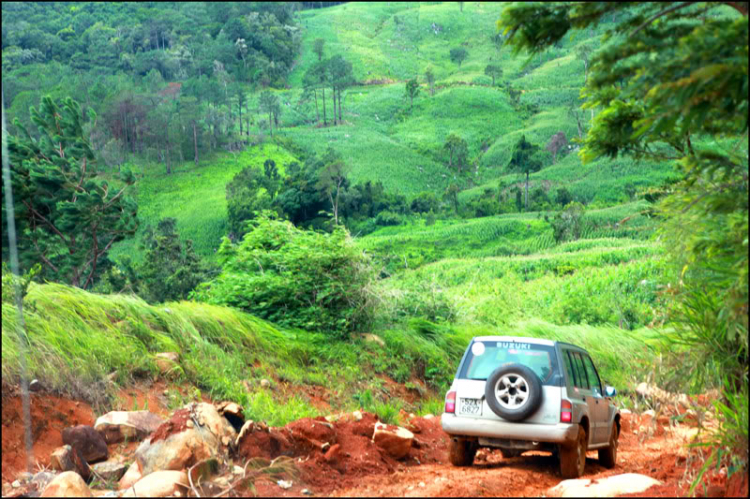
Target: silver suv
(520, 394)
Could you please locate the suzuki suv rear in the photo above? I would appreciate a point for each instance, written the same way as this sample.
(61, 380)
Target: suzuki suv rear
(520, 394)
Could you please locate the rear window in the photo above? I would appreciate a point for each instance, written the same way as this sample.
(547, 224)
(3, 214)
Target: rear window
(484, 357)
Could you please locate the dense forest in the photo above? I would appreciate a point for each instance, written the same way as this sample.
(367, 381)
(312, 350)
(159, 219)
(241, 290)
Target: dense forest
(317, 191)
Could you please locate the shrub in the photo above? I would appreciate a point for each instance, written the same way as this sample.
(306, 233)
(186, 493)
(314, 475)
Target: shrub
(567, 224)
(295, 278)
(386, 218)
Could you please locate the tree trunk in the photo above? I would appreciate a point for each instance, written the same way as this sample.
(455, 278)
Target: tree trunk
(325, 123)
(333, 91)
(527, 191)
(239, 107)
(341, 115)
(317, 112)
(195, 143)
(585, 72)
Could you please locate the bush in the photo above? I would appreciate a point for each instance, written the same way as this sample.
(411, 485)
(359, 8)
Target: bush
(295, 278)
(567, 224)
(386, 218)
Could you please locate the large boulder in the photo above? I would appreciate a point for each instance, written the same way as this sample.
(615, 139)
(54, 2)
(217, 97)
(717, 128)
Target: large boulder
(109, 471)
(611, 486)
(117, 426)
(159, 484)
(394, 440)
(86, 440)
(66, 458)
(193, 433)
(67, 484)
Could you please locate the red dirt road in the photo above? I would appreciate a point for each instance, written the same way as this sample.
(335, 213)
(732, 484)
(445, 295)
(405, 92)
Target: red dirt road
(353, 466)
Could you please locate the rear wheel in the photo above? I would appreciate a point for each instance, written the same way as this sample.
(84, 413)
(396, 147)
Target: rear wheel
(608, 455)
(462, 451)
(573, 457)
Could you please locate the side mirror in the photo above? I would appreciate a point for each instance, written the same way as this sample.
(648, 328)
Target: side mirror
(610, 391)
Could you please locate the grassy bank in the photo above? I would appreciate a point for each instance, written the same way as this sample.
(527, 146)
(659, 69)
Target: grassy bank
(76, 339)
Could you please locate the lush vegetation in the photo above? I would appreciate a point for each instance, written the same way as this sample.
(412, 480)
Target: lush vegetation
(394, 173)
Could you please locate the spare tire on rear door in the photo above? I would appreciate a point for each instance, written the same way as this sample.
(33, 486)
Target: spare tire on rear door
(513, 392)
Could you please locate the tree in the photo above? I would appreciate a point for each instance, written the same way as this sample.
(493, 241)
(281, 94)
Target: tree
(430, 77)
(583, 51)
(332, 181)
(68, 217)
(669, 75)
(563, 196)
(318, 46)
(457, 150)
(248, 193)
(458, 55)
(556, 143)
(525, 160)
(341, 76)
(451, 194)
(412, 90)
(171, 269)
(493, 71)
(269, 103)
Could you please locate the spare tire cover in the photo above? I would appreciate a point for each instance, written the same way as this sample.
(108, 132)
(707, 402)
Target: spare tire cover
(513, 392)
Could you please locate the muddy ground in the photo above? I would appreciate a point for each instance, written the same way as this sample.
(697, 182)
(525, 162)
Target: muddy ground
(353, 466)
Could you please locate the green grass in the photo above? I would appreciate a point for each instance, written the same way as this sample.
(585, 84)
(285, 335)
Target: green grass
(196, 196)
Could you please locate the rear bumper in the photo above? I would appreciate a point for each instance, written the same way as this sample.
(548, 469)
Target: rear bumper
(560, 433)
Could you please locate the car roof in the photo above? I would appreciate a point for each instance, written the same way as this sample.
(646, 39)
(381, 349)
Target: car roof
(524, 339)
(518, 339)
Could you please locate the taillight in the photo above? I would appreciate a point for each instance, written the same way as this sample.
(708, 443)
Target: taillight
(450, 402)
(566, 411)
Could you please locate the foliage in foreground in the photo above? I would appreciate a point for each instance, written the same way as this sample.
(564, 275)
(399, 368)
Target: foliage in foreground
(664, 78)
(295, 278)
(67, 216)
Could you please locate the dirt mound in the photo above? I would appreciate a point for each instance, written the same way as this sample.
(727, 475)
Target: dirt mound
(50, 415)
(339, 454)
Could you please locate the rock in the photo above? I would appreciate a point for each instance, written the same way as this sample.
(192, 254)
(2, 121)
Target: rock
(159, 484)
(284, 484)
(611, 486)
(373, 338)
(35, 385)
(109, 471)
(306, 492)
(87, 441)
(42, 479)
(394, 440)
(24, 477)
(231, 408)
(357, 415)
(264, 383)
(647, 417)
(332, 455)
(15, 484)
(66, 458)
(166, 361)
(67, 484)
(117, 426)
(130, 477)
(625, 424)
(174, 444)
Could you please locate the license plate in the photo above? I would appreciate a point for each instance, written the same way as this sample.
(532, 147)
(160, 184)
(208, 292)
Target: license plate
(470, 406)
